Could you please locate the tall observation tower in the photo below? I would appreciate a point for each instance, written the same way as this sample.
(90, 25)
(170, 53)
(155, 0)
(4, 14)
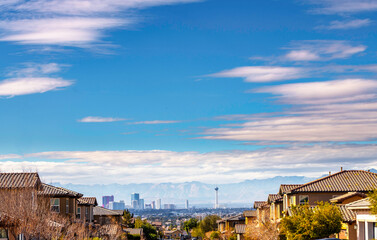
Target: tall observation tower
(217, 198)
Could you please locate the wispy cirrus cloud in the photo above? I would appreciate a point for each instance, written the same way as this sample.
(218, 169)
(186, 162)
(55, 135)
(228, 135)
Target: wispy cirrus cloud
(169, 166)
(69, 22)
(156, 122)
(92, 119)
(343, 6)
(345, 90)
(314, 50)
(263, 73)
(33, 79)
(347, 24)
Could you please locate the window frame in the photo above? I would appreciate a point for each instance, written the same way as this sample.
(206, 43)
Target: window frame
(301, 197)
(67, 205)
(55, 204)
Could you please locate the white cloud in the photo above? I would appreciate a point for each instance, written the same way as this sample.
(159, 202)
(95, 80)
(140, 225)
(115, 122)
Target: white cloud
(348, 24)
(168, 166)
(344, 6)
(36, 70)
(69, 22)
(22, 86)
(156, 122)
(313, 50)
(90, 119)
(263, 73)
(335, 91)
(9, 156)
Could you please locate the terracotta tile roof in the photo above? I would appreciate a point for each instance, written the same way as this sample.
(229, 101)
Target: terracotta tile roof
(109, 229)
(347, 214)
(134, 231)
(343, 197)
(273, 197)
(101, 211)
(20, 180)
(250, 213)
(344, 181)
(87, 201)
(52, 191)
(284, 188)
(258, 204)
(359, 204)
(240, 228)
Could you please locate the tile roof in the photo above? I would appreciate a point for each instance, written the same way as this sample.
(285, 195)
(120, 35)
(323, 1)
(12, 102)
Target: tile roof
(240, 228)
(52, 191)
(109, 229)
(343, 197)
(347, 214)
(359, 204)
(87, 201)
(250, 213)
(273, 197)
(134, 231)
(101, 211)
(344, 181)
(284, 188)
(20, 180)
(258, 204)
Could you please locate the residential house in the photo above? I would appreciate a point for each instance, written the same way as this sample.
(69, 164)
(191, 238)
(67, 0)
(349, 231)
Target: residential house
(105, 216)
(262, 208)
(136, 232)
(12, 185)
(275, 201)
(331, 186)
(228, 224)
(365, 221)
(62, 200)
(173, 234)
(250, 216)
(240, 230)
(85, 206)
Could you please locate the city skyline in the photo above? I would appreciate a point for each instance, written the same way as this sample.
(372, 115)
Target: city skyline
(214, 91)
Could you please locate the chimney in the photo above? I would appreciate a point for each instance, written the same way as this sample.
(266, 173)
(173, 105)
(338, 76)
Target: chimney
(329, 173)
(341, 169)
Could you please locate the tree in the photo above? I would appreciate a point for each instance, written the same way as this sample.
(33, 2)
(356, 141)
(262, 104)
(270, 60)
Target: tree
(373, 201)
(190, 224)
(149, 231)
(127, 219)
(209, 223)
(215, 235)
(312, 222)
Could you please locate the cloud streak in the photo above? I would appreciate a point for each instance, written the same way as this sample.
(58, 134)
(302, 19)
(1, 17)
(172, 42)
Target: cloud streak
(347, 24)
(156, 122)
(91, 119)
(169, 166)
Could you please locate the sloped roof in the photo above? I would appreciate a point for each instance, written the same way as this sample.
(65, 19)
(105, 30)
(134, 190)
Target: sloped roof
(258, 204)
(240, 228)
(134, 231)
(344, 181)
(284, 188)
(52, 191)
(109, 229)
(101, 211)
(347, 214)
(343, 197)
(250, 213)
(273, 197)
(87, 201)
(20, 180)
(359, 204)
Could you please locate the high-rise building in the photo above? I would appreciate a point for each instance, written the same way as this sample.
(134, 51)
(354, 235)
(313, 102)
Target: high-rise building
(117, 205)
(217, 198)
(169, 206)
(158, 204)
(106, 200)
(141, 203)
(187, 204)
(135, 204)
(135, 196)
(153, 205)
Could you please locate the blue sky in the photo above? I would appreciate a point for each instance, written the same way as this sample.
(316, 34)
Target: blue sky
(173, 89)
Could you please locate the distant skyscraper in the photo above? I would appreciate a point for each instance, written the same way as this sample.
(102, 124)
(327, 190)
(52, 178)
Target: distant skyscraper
(135, 204)
(187, 204)
(135, 196)
(106, 200)
(217, 198)
(169, 206)
(158, 204)
(117, 205)
(153, 205)
(141, 203)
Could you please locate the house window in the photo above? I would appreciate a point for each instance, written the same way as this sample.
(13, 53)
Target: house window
(55, 204)
(3, 233)
(86, 213)
(304, 199)
(67, 205)
(292, 201)
(78, 213)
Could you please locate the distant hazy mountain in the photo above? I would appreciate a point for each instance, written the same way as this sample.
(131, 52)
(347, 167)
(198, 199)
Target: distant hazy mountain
(241, 194)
